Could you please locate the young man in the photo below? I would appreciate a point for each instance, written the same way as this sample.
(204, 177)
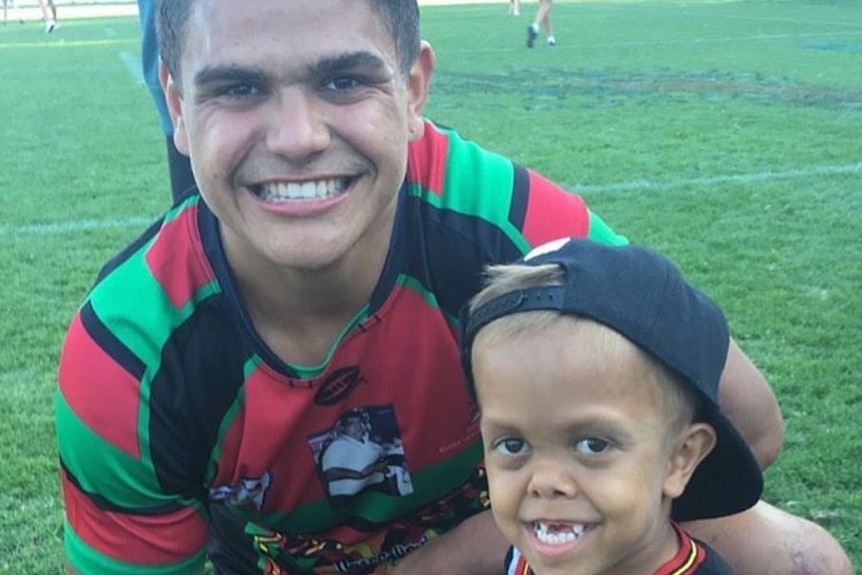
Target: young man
(596, 370)
(320, 270)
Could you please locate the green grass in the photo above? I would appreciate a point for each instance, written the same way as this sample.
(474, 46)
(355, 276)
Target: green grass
(725, 134)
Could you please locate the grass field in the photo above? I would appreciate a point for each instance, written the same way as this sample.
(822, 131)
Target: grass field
(728, 135)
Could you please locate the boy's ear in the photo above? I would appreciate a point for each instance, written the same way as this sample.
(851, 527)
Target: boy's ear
(692, 445)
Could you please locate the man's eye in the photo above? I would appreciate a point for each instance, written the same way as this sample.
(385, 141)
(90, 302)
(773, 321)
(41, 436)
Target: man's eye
(342, 83)
(510, 446)
(240, 90)
(592, 446)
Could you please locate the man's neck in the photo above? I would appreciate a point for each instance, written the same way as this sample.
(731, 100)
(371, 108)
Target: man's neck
(300, 313)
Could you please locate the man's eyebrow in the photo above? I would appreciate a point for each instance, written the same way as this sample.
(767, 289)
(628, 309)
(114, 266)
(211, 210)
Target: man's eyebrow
(349, 61)
(228, 75)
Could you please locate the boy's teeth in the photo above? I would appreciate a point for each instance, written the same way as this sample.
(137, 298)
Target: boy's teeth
(557, 534)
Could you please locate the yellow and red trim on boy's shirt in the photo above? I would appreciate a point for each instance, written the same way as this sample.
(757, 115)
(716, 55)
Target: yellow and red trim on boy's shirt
(688, 558)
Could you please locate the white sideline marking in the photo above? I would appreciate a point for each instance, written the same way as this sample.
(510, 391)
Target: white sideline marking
(133, 65)
(816, 171)
(74, 227)
(581, 46)
(714, 180)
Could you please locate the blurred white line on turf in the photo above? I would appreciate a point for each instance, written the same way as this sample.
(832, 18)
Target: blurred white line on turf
(581, 46)
(637, 185)
(707, 181)
(133, 65)
(73, 227)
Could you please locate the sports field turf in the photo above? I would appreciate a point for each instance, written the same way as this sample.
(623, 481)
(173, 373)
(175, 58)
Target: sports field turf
(728, 135)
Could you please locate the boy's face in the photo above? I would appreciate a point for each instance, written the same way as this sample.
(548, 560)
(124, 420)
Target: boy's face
(577, 446)
(297, 122)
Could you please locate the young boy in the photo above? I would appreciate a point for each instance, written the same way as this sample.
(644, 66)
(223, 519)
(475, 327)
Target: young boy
(596, 372)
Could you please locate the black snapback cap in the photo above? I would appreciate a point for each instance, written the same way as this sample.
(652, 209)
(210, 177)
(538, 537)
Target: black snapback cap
(642, 296)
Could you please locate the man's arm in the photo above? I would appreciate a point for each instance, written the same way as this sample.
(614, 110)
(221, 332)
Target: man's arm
(475, 547)
(765, 540)
(72, 571)
(748, 400)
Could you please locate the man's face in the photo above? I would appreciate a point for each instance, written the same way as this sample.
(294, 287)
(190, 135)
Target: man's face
(297, 122)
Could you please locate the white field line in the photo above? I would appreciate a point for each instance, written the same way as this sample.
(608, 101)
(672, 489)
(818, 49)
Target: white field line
(582, 46)
(76, 226)
(133, 65)
(708, 181)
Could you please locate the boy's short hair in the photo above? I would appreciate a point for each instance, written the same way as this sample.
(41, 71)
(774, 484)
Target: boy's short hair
(679, 399)
(643, 297)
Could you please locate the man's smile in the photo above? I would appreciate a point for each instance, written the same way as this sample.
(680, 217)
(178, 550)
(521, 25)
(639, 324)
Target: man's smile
(307, 190)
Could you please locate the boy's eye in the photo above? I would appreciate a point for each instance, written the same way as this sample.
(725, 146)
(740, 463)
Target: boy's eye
(511, 446)
(592, 446)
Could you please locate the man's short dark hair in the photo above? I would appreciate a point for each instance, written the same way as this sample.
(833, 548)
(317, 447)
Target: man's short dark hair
(401, 17)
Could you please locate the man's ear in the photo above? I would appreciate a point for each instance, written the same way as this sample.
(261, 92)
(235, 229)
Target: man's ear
(418, 86)
(174, 100)
(692, 445)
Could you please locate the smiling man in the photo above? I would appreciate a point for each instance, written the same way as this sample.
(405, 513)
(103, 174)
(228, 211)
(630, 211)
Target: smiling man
(319, 270)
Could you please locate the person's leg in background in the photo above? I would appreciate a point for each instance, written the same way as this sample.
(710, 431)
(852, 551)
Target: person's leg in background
(49, 15)
(542, 21)
(179, 166)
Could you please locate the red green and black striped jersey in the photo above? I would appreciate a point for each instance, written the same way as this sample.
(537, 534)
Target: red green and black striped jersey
(692, 557)
(176, 423)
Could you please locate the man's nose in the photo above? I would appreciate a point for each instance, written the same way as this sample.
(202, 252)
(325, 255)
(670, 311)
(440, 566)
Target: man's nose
(298, 127)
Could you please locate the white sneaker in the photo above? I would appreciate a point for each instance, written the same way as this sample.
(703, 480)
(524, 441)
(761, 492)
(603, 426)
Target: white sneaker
(552, 41)
(50, 25)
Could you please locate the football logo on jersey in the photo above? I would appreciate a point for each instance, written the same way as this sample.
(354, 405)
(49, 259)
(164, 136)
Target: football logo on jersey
(338, 385)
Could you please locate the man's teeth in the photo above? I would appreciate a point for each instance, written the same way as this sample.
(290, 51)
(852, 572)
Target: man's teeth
(312, 190)
(557, 534)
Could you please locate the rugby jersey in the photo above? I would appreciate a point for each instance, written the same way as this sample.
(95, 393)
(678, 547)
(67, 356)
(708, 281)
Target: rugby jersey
(692, 557)
(175, 420)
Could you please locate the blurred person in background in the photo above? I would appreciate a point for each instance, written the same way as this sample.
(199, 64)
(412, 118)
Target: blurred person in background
(179, 166)
(542, 21)
(49, 15)
(16, 11)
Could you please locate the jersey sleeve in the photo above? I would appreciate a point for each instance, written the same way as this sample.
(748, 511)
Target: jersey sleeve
(118, 519)
(482, 195)
(544, 211)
